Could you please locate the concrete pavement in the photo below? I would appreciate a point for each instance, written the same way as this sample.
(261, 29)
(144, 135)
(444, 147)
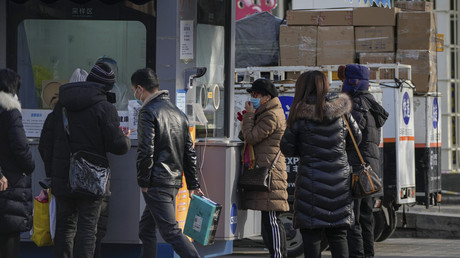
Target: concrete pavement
(392, 247)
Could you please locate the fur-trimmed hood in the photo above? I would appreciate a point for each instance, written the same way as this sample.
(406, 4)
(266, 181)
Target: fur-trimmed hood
(9, 102)
(336, 105)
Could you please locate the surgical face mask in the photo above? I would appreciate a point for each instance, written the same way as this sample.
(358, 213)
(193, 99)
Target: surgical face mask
(255, 102)
(138, 100)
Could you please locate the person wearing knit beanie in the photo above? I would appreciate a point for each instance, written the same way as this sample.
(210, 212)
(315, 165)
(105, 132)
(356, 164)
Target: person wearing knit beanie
(103, 74)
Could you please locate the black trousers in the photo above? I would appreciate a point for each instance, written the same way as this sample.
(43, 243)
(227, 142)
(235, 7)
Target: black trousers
(274, 234)
(76, 220)
(9, 245)
(337, 238)
(102, 225)
(361, 235)
(160, 213)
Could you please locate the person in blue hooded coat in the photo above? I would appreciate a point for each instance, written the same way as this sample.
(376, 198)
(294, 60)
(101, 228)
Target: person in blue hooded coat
(370, 116)
(16, 165)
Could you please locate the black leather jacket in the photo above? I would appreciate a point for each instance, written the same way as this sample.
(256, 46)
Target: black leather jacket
(165, 145)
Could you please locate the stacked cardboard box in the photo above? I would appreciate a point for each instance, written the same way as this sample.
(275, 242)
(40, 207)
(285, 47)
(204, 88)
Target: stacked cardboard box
(417, 46)
(335, 45)
(366, 33)
(334, 39)
(414, 6)
(375, 37)
(298, 45)
(378, 58)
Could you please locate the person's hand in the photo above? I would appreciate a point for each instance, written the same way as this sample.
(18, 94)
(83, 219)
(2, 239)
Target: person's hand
(195, 192)
(248, 106)
(239, 115)
(3, 183)
(144, 189)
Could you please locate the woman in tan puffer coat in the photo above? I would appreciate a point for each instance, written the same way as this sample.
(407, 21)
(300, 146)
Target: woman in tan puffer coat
(263, 126)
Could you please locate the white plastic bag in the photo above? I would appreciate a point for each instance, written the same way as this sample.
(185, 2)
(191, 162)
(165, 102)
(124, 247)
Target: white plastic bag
(52, 208)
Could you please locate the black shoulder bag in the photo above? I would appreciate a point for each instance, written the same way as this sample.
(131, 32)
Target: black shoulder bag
(257, 179)
(365, 182)
(89, 172)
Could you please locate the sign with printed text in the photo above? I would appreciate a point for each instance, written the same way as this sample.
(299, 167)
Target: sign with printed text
(33, 120)
(186, 40)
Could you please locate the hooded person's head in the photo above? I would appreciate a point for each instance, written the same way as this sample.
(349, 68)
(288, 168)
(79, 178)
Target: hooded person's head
(355, 78)
(79, 75)
(103, 74)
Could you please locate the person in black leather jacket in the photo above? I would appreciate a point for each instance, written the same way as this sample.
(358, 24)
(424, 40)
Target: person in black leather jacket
(316, 133)
(16, 165)
(370, 117)
(165, 152)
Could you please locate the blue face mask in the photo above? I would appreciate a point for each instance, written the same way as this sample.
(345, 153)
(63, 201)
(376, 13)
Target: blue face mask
(138, 100)
(255, 102)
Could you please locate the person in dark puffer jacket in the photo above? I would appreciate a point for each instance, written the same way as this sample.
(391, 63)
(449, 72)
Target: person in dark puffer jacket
(370, 117)
(316, 133)
(94, 127)
(16, 164)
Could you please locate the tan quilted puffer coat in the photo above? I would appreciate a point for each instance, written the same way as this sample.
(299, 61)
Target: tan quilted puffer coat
(264, 129)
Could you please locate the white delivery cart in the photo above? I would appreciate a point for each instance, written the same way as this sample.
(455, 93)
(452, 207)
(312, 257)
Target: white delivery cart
(428, 148)
(399, 136)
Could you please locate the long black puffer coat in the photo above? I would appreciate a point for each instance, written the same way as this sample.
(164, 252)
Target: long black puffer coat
(94, 127)
(322, 194)
(17, 164)
(370, 117)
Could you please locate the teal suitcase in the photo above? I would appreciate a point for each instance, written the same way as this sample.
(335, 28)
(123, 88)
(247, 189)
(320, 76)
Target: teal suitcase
(202, 218)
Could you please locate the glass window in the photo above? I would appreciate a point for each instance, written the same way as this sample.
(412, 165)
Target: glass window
(50, 50)
(210, 54)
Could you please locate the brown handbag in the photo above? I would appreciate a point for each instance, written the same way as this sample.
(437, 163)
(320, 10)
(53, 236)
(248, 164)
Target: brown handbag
(257, 179)
(364, 182)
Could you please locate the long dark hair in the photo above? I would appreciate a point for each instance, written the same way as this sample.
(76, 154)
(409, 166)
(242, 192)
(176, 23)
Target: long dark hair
(10, 81)
(309, 85)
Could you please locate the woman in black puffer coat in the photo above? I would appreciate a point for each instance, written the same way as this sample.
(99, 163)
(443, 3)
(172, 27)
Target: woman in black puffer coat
(16, 166)
(317, 133)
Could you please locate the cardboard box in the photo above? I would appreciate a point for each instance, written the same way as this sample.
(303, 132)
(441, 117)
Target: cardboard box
(378, 58)
(298, 45)
(374, 39)
(202, 218)
(335, 17)
(417, 30)
(320, 17)
(335, 45)
(374, 16)
(414, 6)
(423, 64)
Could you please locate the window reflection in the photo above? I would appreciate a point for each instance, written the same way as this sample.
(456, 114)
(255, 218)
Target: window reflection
(50, 50)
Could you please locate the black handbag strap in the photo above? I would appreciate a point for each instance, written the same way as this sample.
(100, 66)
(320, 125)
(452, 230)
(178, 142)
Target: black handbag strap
(354, 141)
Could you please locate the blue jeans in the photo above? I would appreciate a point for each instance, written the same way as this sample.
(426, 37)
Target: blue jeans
(76, 219)
(160, 212)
